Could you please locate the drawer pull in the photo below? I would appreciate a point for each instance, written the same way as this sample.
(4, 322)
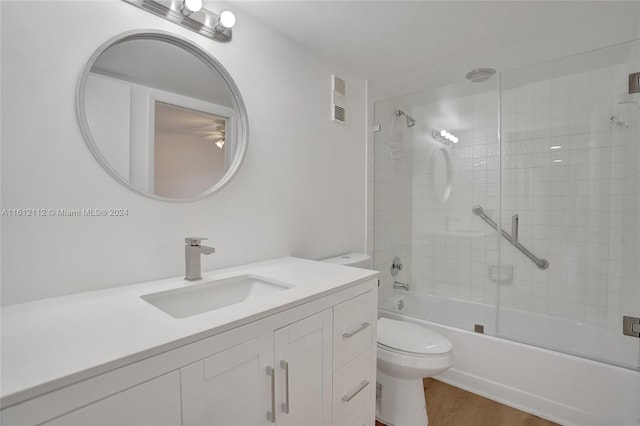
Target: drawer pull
(353, 333)
(363, 384)
(285, 405)
(271, 415)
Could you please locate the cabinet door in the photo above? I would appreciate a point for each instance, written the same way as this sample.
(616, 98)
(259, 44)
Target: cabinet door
(154, 403)
(303, 365)
(230, 387)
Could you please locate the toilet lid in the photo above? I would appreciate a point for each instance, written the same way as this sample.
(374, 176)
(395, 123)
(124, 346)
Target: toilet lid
(409, 337)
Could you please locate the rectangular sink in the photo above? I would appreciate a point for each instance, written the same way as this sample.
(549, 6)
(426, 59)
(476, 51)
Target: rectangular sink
(210, 295)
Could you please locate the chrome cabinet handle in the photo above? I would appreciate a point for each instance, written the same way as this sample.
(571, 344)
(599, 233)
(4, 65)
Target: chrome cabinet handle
(285, 366)
(271, 415)
(353, 333)
(363, 384)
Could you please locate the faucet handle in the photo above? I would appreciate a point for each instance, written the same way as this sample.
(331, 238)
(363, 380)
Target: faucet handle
(194, 241)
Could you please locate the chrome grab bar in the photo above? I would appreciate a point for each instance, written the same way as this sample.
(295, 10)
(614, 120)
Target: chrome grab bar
(540, 263)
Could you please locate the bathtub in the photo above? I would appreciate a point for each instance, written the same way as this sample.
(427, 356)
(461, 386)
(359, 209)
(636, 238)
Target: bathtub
(563, 388)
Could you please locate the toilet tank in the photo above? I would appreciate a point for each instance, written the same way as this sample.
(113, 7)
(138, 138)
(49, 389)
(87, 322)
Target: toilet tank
(357, 260)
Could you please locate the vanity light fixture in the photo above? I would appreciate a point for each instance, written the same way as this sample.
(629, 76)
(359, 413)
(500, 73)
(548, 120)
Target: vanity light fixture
(191, 15)
(444, 137)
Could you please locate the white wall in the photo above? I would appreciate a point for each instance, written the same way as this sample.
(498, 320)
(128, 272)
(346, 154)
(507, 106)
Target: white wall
(108, 109)
(300, 190)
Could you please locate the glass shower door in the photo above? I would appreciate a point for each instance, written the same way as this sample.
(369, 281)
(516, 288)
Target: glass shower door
(570, 178)
(428, 176)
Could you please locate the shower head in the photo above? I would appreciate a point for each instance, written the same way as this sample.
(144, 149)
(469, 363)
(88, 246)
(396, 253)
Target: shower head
(410, 120)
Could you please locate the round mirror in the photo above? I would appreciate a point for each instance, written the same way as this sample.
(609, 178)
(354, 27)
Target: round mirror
(162, 116)
(441, 174)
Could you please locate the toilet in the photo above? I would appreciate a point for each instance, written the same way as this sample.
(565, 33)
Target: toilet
(407, 353)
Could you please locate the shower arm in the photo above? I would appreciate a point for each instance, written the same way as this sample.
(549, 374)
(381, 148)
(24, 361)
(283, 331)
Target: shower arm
(540, 263)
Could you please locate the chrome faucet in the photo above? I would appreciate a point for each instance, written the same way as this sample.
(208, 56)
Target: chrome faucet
(401, 286)
(192, 252)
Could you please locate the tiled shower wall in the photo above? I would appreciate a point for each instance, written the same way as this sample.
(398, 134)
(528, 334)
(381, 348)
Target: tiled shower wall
(451, 246)
(564, 175)
(392, 195)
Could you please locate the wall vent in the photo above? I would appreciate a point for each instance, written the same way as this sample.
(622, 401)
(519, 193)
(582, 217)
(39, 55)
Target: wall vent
(339, 114)
(339, 86)
(634, 82)
(338, 100)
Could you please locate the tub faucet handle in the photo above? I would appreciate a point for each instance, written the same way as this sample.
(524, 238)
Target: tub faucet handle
(396, 266)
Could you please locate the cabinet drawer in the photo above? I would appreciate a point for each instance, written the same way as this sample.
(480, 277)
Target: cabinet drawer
(353, 322)
(352, 387)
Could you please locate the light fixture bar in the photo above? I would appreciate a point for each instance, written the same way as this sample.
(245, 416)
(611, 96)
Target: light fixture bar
(444, 137)
(203, 22)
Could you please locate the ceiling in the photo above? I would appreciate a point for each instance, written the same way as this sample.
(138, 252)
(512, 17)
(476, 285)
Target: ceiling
(164, 66)
(405, 46)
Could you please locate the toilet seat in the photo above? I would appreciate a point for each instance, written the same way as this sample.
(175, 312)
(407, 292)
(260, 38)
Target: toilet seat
(405, 337)
(413, 354)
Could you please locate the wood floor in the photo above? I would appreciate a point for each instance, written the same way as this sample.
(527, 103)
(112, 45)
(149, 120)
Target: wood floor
(450, 406)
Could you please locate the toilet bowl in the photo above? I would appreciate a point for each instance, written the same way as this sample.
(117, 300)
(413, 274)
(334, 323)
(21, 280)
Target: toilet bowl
(407, 353)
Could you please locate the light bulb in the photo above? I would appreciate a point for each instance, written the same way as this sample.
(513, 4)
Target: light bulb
(190, 6)
(227, 19)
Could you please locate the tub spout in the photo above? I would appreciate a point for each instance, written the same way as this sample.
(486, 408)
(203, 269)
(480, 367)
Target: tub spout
(402, 286)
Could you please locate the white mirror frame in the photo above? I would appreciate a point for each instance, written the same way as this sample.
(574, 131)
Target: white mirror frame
(241, 138)
(446, 191)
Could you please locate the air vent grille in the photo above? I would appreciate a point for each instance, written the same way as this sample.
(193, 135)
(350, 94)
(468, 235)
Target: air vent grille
(339, 86)
(339, 114)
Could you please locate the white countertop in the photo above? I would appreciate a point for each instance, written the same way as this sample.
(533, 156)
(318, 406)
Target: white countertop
(53, 342)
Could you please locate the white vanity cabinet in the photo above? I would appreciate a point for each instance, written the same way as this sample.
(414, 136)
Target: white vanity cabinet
(289, 367)
(281, 377)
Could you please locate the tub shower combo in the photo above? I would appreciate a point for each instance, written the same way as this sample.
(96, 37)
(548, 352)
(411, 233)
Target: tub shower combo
(507, 208)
